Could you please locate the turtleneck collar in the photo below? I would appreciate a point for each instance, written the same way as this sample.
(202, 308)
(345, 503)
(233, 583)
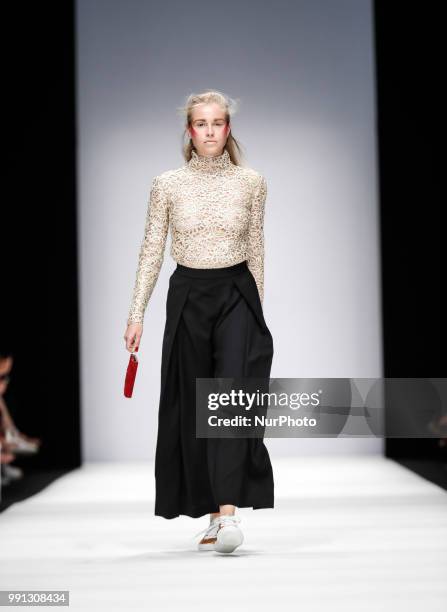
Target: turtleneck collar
(208, 164)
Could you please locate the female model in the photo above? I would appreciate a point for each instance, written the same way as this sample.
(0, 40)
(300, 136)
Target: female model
(215, 325)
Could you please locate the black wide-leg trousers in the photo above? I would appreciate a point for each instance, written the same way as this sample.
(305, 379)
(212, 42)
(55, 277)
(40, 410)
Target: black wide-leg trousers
(215, 327)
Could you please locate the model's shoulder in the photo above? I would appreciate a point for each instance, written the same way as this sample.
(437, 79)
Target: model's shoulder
(168, 176)
(252, 175)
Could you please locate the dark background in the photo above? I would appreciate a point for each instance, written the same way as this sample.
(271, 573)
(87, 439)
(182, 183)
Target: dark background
(409, 57)
(39, 321)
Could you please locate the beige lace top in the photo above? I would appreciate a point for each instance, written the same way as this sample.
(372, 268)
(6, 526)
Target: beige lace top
(215, 210)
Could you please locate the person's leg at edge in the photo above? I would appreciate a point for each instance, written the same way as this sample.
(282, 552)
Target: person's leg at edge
(225, 509)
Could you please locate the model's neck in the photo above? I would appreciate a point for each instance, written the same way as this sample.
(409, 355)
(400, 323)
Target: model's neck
(208, 163)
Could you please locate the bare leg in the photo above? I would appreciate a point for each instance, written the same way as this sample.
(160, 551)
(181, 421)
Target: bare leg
(8, 423)
(213, 515)
(225, 509)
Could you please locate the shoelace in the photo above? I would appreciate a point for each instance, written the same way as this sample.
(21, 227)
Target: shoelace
(210, 528)
(224, 519)
(229, 520)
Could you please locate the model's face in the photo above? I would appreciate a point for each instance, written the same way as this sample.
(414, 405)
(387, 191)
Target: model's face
(209, 129)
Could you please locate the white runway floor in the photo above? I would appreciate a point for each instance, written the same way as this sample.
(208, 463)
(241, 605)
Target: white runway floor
(346, 533)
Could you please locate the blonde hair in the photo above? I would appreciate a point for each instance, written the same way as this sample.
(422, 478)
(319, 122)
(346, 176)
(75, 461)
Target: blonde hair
(229, 105)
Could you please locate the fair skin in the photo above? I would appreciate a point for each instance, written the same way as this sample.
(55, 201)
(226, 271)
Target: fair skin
(5, 418)
(5, 370)
(208, 131)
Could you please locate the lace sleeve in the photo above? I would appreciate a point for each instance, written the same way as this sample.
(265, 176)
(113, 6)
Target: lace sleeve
(152, 250)
(255, 247)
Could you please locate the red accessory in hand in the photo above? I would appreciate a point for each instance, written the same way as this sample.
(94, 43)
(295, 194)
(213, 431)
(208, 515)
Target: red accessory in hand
(130, 374)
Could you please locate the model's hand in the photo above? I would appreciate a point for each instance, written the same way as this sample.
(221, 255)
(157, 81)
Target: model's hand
(133, 335)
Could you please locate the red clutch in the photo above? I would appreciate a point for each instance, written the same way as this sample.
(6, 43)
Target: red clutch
(130, 374)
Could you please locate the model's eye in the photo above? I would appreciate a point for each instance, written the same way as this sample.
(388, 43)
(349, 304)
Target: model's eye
(202, 124)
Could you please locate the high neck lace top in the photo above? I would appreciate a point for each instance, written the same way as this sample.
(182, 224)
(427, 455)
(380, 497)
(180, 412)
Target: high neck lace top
(215, 210)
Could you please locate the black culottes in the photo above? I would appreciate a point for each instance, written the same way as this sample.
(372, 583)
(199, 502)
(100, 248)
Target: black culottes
(215, 327)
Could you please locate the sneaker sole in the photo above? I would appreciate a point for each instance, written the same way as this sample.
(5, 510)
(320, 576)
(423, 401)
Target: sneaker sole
(228, 539)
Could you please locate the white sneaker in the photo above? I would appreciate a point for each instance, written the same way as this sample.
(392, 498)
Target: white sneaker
(208, 540)
(229, 536)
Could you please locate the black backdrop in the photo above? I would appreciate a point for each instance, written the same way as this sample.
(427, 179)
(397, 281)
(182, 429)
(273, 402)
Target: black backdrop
(410, 61)
(39, 286)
